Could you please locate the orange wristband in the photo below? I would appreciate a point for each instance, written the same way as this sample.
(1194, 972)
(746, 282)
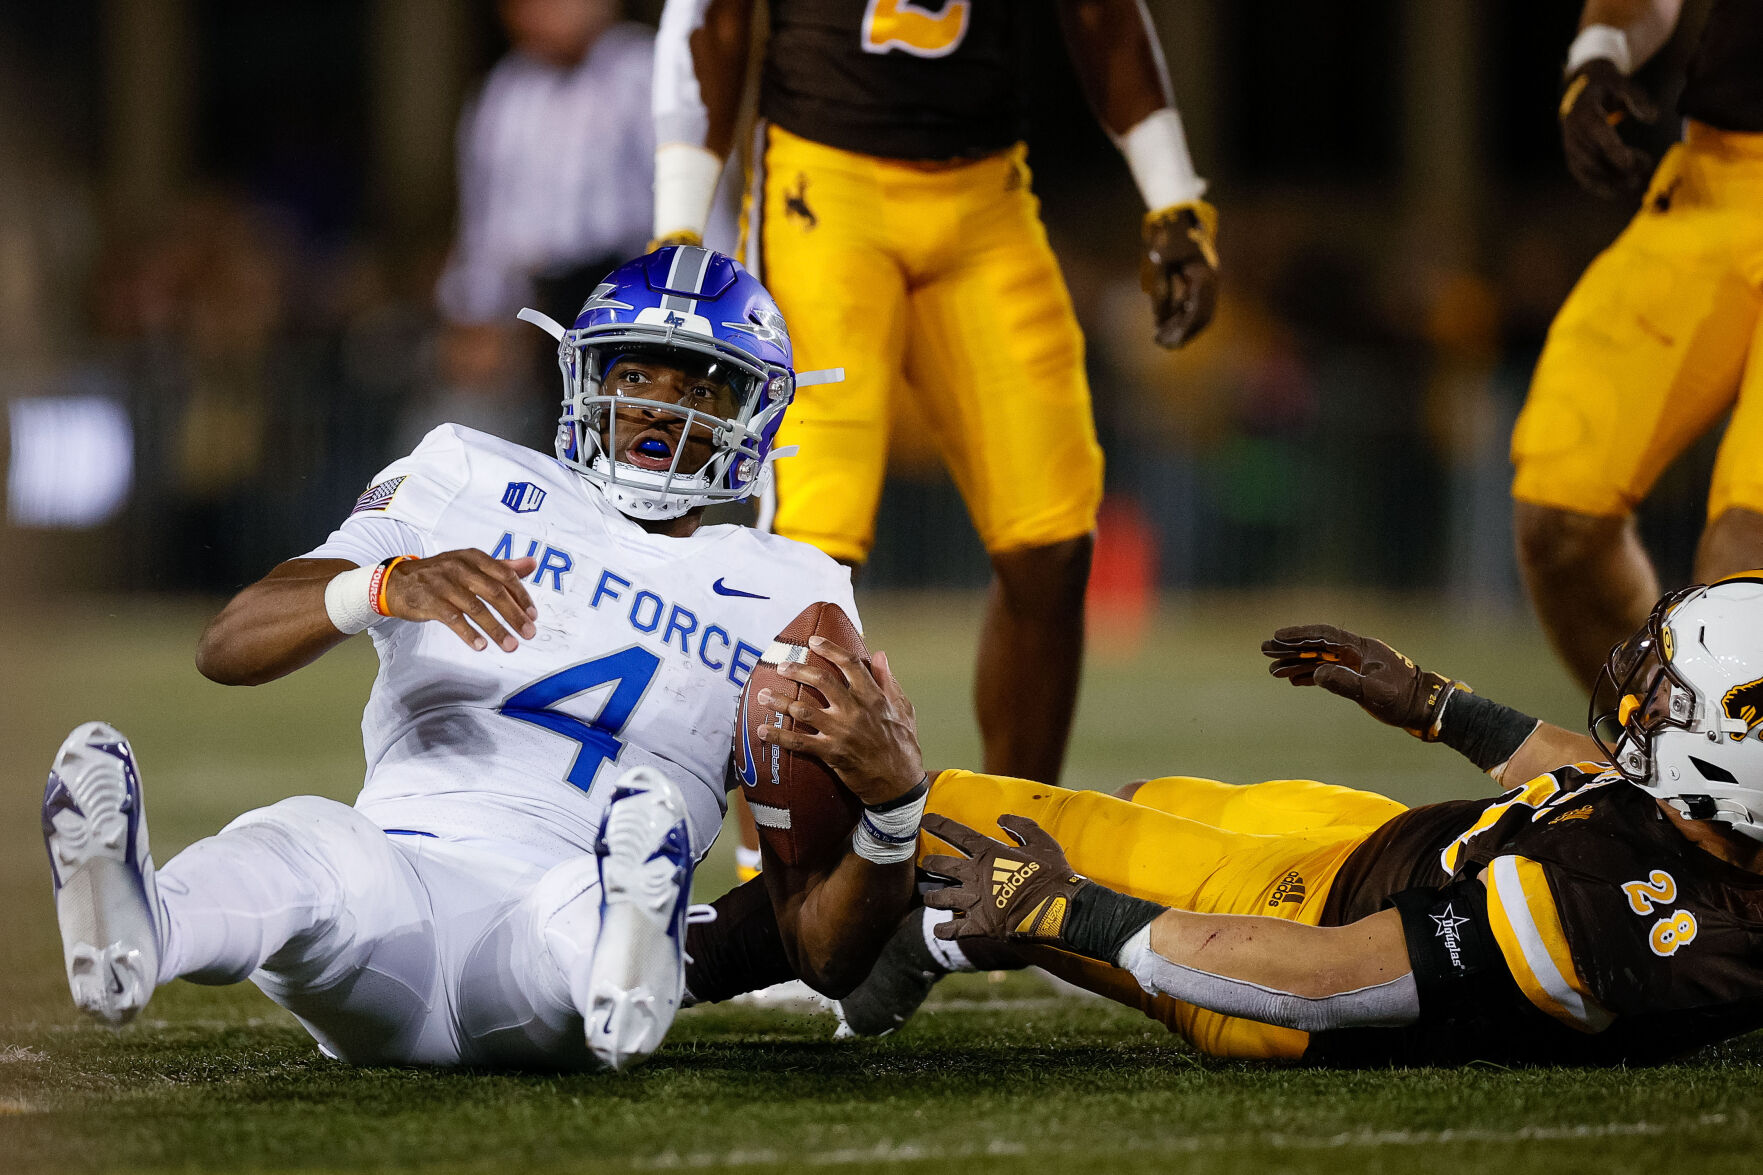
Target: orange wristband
(376, 587)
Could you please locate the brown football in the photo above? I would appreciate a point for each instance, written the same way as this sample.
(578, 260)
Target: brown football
(803, 812)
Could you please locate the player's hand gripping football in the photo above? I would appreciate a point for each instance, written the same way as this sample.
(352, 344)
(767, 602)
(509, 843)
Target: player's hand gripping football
(867, 732)
(1597, 98)
(1180, 269)
(463, 589)
(1390, 687)
(1017, 893)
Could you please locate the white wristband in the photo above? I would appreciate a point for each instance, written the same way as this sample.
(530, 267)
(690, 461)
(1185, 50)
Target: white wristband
(1600, 40)
(890, 836)
(1156, 151)
(685, 184)
(348, 601)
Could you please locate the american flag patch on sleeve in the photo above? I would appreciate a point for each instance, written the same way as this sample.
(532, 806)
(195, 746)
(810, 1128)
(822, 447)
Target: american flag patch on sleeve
(378, 497)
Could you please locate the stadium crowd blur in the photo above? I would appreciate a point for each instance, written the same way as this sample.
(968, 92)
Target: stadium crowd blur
(222, 227)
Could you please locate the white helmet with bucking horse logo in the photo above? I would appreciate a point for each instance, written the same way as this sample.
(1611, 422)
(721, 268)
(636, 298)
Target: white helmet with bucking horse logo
(1679, 706)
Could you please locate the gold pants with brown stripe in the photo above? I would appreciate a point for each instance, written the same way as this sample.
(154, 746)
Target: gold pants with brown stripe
(1197, 844)
(932, 282)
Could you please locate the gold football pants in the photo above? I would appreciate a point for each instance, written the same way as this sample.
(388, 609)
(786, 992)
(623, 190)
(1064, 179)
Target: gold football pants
(1662, 335)
(1197, 844)
(933, 281)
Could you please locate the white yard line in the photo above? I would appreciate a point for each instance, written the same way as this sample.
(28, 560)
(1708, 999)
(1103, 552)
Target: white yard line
(1202, 1143)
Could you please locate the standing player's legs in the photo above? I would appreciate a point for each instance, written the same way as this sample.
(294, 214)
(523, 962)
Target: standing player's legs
(816, 235)
(1643, 357)
(1733, 539)
(996, 359)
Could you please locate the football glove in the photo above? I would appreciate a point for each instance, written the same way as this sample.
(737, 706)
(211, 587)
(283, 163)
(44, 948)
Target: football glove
(1180, 269)
(1027, 893)
(684, 236)
(1387, 685)
(1597, 98)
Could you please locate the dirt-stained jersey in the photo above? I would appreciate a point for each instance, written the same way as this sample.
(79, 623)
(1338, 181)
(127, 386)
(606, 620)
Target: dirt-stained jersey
(644, 642)
(1723, 85)
(901, 79)
(1622, 939)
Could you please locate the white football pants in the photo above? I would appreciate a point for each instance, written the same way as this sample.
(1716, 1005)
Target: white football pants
(390, 949)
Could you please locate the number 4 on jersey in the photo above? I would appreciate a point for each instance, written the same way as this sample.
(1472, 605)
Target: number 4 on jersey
(918, 29)
(629, 671)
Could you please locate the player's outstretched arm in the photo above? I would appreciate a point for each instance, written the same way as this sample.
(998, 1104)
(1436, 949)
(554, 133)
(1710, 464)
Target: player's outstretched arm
(701, 55)
(1312, 978)
(1394, 690)
(834, 921)
(304, 607)
(1114, 46)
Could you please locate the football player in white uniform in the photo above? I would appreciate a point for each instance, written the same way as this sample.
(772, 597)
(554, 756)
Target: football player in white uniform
(562, 645)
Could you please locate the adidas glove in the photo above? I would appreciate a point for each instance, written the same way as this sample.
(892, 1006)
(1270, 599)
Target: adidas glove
(1028, 893)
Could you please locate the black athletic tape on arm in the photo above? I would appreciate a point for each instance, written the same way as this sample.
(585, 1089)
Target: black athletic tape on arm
(1485, 732)
(741, 951)
(1100, 921)
(1458, 967)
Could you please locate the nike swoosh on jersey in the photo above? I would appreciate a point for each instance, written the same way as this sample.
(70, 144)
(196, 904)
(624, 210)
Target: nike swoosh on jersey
(722, 589)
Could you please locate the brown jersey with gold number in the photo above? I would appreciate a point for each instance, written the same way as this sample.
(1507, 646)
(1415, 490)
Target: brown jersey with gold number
(1723, 86)
(899, 79)
(1617, 939)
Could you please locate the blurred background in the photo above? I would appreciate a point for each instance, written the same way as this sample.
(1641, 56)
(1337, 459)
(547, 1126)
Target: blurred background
(235, 281)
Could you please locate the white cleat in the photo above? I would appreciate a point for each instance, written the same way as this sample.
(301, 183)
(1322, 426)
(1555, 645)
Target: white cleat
(635, 980)
(96, 833)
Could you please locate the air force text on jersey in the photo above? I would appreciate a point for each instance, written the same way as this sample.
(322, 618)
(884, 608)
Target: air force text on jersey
(712, 644)
(643, 644)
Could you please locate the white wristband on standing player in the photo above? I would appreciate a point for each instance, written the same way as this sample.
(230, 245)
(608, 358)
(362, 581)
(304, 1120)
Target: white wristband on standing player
(1600, 40)
(1156, 151)
(888, 835)
(348, 600)
(685, 185)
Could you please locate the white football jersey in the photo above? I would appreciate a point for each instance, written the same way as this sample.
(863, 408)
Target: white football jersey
(643, 645)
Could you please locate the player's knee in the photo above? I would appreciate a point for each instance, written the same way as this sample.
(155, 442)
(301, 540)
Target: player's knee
(1555, 540)
(1051, 575)
(562, 912)
(335, 850)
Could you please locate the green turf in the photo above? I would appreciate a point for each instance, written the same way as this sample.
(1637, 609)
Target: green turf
(993, 1077)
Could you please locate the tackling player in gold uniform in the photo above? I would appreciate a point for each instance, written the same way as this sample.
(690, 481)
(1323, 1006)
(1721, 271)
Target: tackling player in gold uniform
(1609, 908)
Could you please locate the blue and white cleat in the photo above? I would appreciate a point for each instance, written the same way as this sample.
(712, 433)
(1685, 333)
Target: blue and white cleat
(633, 985)
(96, 833)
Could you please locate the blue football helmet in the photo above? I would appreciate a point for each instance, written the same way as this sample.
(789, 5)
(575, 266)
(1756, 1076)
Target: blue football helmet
(708, 311)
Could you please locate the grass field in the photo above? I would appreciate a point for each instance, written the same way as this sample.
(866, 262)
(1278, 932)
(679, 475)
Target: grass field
(995, 1077)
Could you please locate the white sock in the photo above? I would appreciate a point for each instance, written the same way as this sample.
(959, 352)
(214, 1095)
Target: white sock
(947, 952)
